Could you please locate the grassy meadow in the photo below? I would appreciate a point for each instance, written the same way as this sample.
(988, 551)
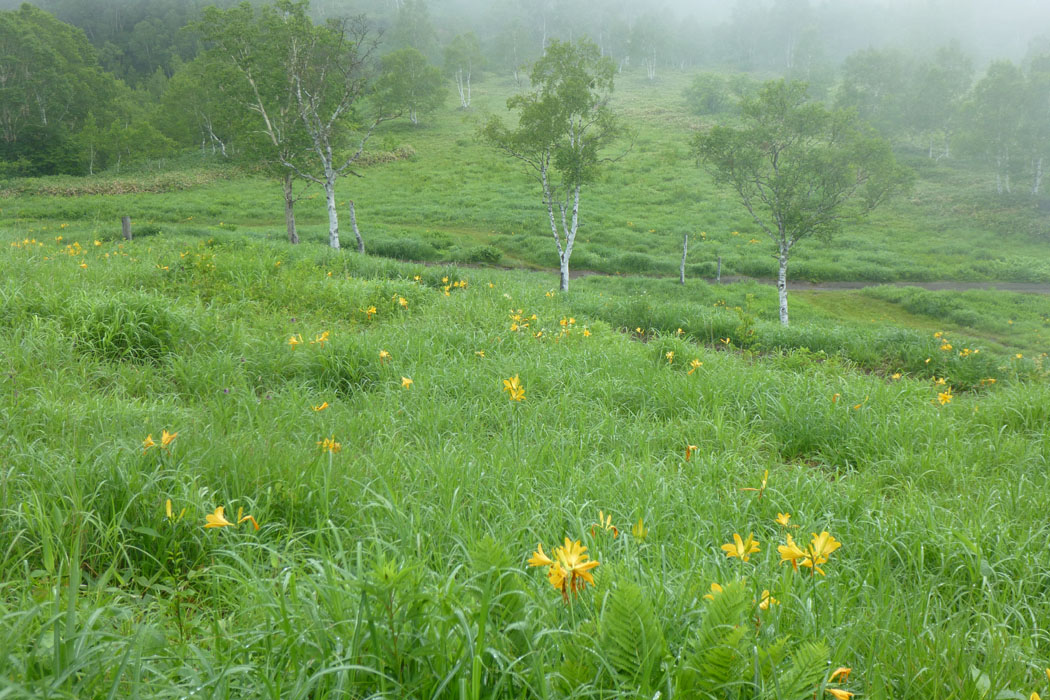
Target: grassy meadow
(357, 409)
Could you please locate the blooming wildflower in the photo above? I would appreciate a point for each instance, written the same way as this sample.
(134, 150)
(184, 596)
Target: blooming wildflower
(320, 339)
(689, 450)
(166, 438)
(694, 365)
(321, 407)
(586, 333)
(384, 356)
(741, 548)
(295, 341)
(791, 552)
(479, 353)
(1019, 356)
(403, 301)
(670, 356)
(604, 523)
(835, 397)
(819, 550)
(406, 382)
(639, 530)
(783, 518)
(715, 590)
(370, 311)
(330, 444)
(148, 443)
(570, 569)
(241, 517)
(840, 674)
(765, 600)
(840, 694)
(514, 388)
(895, 375)
(83, 266)
(945, 396)
(679, 332)
(217, 519)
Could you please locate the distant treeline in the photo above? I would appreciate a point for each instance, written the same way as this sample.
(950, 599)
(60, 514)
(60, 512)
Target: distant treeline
(95, 84)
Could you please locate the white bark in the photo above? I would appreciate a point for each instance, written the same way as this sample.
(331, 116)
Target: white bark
(333, 215)
(685, 249)
(782, 290)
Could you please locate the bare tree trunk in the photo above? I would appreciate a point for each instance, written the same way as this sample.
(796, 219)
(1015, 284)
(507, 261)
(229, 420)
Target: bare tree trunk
(782, 289)
(685, 249)
(125, 227)
(564, 270)
(1037, 183)
(289, 209)
(718, 274)
(333, 215)
(357, 233)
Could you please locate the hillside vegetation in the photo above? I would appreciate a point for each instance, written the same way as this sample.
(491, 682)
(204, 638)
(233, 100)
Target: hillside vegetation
(356, 409)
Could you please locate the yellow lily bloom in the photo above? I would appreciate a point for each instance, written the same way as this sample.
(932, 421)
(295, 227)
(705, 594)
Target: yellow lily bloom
(783, 518)
(791, 552)
(840, 674)
(241, 517)
(384, 356)
(166, 438)
(406, 382)
(538, 558)
(695, 364)
(840, 694)
(765, 600)
(321, 407)
(330, 444)
(741, 548)
(715, 590)
(513, 387)
(217, 519)
(605, 523)
(670, 356)
(148, 443)
(689, 450)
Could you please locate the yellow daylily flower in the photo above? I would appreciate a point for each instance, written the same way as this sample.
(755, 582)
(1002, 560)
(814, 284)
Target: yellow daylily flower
(694, 365)
(715, 590)
(839, 694)
(295, 341)
(148, 443)
(741, 548)
(570, 570)
(330, 445)
(765, 600)
(403, 301)
(783, 520)
(320, 339)
(605, 523)
(538, 558)
(945, 397)
(514, 388)
(689, 451)
(791, 552)
(217, 519)
(670, 356)
(166, 438)
(840, 674)
(321, 407)
(406, 382)
(241, 517)
(384, 356)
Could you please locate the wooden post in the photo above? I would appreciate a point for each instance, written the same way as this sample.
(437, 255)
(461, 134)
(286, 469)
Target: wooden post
(718, 277)
(681, 270)
(125, 227)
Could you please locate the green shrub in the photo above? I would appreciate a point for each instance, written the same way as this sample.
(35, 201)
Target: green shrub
(127, 327)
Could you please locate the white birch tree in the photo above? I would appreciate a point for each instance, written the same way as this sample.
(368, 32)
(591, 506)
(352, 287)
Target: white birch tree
(800, 169)
(564, 123)
(331, 69)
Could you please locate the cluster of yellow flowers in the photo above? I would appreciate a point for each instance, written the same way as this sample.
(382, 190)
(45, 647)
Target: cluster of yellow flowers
(165, 440)
(514, 388)
(218, 519)
(330, 445)
(569, 570)
(319, 339)
(27, 243)
(449, 286)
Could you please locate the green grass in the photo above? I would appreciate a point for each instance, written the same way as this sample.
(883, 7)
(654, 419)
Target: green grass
(397, 566)
(456, 194)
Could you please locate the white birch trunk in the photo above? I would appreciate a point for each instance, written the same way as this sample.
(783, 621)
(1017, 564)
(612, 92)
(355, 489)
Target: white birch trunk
(1037, 182)
(333, 215)
(289, 209)
(782, 289)
(685, 249)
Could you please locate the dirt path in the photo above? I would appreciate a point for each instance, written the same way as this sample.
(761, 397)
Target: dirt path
(1020, 287)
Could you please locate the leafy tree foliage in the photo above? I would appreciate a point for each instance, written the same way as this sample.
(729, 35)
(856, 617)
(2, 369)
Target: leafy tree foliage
(411, 84)
(800, 169)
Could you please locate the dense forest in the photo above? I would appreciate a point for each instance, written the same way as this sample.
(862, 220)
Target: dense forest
(98, 84)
